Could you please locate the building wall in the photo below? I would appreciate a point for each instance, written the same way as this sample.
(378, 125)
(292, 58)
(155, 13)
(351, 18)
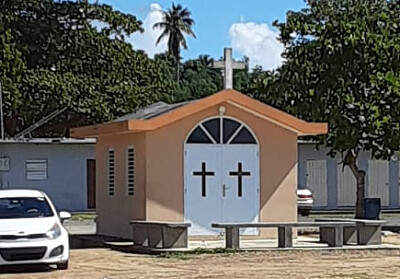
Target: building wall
(115, 212)
(381, 179)
(278, 170)
(66, 171)
(165, 167)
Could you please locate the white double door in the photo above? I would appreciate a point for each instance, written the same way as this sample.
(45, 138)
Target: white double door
(221, 185)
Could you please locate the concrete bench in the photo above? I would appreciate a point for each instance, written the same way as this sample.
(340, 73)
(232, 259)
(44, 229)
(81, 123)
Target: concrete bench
(154, 234)
(362, 232)
(334, 232)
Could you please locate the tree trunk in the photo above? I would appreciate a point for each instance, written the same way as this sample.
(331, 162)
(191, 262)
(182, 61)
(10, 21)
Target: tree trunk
(351, 161)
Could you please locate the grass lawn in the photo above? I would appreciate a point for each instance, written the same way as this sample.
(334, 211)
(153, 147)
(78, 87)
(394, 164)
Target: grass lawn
(384, 216)
(87, 216)
(90, 216)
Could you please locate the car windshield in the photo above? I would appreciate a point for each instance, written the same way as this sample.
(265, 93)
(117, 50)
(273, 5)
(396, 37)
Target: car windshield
(25, 207)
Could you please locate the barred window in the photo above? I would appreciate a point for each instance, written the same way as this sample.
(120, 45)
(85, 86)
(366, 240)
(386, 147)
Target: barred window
(130, 171)
(111, 171)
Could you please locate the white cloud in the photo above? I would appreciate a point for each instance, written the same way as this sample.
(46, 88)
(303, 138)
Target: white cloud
(258, 42)
(147, 40)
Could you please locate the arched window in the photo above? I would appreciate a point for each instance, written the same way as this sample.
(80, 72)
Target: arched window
(221, 130)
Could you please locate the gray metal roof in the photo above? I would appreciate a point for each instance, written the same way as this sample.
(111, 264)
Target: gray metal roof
(151, 111)
(48, 141)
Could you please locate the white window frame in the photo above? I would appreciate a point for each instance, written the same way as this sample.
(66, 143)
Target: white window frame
(31, 169)
(221, 119)
(130, 173)
(111, 172)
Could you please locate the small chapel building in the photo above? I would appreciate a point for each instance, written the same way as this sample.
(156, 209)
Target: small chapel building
(224, 158)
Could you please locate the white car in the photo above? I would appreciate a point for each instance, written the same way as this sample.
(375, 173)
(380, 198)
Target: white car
(31, 231)
(305, 201)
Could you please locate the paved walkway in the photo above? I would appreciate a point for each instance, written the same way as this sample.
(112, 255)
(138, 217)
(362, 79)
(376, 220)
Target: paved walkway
(89, 228)
(80, 227)
(301, 242)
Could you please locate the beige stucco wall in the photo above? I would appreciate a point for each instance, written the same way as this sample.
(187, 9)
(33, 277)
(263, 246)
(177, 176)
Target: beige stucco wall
(278, 170)
(165, 166)
(159, 177)
(115, 212)
(278, 167)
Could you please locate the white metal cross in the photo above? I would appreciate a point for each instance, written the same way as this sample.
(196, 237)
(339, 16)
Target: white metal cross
(228, 65)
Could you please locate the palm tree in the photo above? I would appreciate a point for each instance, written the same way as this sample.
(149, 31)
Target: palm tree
(176, 22)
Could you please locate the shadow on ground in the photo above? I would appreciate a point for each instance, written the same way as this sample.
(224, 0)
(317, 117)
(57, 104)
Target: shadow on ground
(82, 241)
(19, 269)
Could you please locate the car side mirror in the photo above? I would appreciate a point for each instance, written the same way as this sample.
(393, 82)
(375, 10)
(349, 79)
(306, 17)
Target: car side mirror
(64, 215)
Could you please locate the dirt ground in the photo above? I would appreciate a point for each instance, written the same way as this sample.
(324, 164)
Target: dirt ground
(104, 263)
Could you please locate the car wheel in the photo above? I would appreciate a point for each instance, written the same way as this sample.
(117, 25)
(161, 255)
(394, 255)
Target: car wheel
(63, 265)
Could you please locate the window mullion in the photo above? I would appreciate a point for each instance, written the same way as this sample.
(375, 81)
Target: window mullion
(234, 134)
(208, 134)
(221, 132)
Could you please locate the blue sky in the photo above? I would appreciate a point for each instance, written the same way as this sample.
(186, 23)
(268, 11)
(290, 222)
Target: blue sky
(246, 26)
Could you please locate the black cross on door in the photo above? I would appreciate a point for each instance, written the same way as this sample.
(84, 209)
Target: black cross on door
(240, 173)
(203, 173)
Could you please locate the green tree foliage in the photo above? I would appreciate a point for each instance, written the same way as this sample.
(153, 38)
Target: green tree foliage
(11, 74)
(176, 23)
(342, 66)
(53, 54)
(196, 78)
(199, 79)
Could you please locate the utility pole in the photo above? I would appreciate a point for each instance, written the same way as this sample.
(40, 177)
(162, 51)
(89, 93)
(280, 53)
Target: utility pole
(1, 114)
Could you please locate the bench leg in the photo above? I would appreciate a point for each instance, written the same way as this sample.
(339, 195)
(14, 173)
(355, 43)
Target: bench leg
(349, 235)
(155, 235)
(232, 238)
(324, 234)
(140, 235)
(333, 236)
(176, 237)
(367, 235)
(285, 237)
